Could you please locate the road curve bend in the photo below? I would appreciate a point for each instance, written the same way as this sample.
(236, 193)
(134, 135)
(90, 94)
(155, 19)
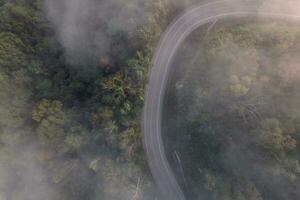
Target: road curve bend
(175, 34)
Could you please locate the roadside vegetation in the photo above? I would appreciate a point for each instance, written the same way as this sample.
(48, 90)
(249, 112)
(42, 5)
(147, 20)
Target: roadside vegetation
(72, 132)
(237, 112)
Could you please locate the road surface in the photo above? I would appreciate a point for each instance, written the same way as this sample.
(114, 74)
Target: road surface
(170, 42)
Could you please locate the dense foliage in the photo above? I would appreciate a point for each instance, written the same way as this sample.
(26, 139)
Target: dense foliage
(71, 132)
(70, 128)
(237, 112)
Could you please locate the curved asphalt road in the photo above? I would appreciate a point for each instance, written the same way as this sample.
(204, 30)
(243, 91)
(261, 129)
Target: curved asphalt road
(172, 39)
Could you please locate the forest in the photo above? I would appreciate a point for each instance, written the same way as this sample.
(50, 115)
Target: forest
(233, 111)
(72, 82)
(70, 121)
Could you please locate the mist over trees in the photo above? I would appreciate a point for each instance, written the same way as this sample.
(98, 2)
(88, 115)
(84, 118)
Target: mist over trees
(70, 115)
(235, 106)
(72, 80)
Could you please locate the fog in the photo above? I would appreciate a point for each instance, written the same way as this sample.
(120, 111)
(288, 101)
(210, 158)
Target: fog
(202, 75)
(86, 29)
